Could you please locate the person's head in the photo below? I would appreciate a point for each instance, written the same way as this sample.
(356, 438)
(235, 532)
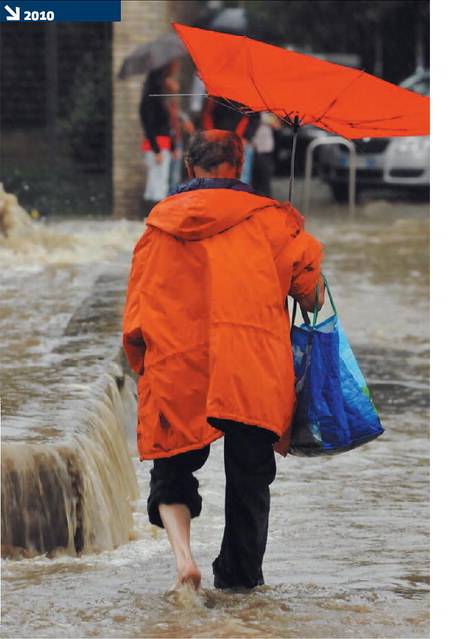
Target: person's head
(214, 153)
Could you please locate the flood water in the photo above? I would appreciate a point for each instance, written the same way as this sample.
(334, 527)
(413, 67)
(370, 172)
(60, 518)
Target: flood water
(348, 549)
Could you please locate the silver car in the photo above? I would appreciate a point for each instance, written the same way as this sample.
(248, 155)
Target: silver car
(389, 162)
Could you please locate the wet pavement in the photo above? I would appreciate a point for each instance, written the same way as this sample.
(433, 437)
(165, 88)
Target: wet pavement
(348, 550)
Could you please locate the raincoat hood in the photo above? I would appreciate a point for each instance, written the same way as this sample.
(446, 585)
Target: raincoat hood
(206, 208)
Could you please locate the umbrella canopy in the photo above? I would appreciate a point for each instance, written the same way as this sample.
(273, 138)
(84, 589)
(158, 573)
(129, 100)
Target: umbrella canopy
(302, 89)
(152, 55)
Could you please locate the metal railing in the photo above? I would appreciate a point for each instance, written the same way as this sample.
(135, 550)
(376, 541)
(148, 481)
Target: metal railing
(309, 169)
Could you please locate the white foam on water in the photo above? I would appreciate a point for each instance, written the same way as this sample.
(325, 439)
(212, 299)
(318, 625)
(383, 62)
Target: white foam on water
(68, 242)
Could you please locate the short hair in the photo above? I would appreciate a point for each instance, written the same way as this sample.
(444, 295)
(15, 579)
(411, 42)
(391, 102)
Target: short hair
(208, 149)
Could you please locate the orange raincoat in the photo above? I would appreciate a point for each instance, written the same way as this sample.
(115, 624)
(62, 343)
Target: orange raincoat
(206, 324)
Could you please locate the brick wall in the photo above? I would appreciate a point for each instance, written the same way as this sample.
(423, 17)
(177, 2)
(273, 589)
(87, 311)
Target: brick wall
(142, 21)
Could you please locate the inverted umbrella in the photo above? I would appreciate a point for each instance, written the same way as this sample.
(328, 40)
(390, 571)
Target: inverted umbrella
(152, 55)
(301, 89)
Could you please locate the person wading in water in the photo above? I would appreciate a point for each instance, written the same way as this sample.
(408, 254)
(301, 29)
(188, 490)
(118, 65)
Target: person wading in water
(206, 328)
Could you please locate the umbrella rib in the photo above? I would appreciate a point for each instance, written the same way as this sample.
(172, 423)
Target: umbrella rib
(335, 100)
(226, 104)
(356, 125)
(239, 109)
(329, 128)
(253, 81)
(249, 71)
(356, 122)
(381, 128)
(359, 124)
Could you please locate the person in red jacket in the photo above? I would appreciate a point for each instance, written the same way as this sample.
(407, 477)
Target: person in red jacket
(206, 327)
(159, 118)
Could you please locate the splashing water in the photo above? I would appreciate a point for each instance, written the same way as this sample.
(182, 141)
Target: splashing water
(348, 548)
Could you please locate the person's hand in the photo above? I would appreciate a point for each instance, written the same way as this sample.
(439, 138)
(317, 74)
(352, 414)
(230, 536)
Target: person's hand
(308, 302)
(158, 158)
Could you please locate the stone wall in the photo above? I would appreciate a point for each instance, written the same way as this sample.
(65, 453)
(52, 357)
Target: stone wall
(142, 21)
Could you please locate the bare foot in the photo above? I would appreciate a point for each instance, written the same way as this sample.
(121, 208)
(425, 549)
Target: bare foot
(188, 573)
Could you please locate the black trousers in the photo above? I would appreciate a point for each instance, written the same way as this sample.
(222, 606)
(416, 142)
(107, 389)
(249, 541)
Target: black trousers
(249, 463)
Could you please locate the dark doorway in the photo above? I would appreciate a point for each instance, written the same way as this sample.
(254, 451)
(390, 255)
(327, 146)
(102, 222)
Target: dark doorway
(56, 116)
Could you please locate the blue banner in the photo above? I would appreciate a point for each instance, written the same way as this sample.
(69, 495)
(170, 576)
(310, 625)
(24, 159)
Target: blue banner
(14, 11)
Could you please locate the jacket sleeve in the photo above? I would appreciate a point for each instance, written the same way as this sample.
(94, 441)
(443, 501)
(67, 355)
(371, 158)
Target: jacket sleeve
(306, 268)
(297, 254)
(133, 340)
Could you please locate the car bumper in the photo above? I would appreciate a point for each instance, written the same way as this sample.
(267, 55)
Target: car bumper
(393, 167)
(399, 176)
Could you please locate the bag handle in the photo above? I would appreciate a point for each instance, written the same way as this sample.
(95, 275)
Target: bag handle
(329, 293)
(306, 319)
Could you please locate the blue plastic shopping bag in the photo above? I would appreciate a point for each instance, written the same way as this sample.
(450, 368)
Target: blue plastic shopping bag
(334, 411)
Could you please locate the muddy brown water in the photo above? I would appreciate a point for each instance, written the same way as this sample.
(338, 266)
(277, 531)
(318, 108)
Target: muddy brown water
(348, 549)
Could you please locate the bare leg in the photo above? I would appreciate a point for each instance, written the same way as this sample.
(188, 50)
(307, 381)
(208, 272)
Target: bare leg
(176, 519)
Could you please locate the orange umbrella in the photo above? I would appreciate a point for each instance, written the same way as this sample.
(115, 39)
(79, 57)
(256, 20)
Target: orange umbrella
(302, 89)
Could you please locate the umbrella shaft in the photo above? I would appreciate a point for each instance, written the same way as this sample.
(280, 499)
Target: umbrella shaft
(291, 179)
